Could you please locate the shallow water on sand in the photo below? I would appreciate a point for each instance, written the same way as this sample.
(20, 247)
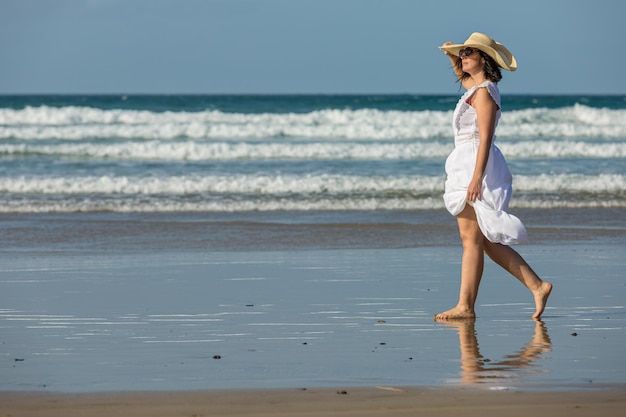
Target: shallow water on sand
(90, 321)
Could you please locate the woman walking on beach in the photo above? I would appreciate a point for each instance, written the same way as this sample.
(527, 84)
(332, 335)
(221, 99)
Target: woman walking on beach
(478, 184)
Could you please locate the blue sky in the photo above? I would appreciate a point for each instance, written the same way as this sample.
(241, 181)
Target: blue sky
(302, 46)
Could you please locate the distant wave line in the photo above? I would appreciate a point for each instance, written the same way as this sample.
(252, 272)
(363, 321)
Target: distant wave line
(354, 203)
(263, 185)
(74, 123)
(228, 151)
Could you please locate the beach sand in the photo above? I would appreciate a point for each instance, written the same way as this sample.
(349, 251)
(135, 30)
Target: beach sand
(115, 315)
(374, 401)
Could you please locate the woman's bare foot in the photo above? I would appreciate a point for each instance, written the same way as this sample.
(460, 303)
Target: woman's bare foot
(541, 298)
(456, 313)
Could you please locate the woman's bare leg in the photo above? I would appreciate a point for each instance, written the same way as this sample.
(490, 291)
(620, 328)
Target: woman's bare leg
(472, 264)
(510, 260)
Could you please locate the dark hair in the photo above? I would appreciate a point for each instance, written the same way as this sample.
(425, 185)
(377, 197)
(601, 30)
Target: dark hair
(491, 69)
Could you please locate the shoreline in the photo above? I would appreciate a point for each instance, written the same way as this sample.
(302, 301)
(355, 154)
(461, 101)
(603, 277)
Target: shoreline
(330, 402)
(241, 231)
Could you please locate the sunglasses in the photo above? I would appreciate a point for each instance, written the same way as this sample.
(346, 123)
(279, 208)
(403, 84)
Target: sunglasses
(466, 52)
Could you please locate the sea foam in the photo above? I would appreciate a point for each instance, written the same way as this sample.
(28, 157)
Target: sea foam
(324, 184)
(82, 159)
(75, 123)
(325, 150)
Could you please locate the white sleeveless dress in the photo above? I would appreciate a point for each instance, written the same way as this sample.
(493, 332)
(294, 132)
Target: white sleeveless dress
(491, 211)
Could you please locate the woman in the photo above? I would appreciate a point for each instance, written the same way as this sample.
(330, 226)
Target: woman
(478, 184)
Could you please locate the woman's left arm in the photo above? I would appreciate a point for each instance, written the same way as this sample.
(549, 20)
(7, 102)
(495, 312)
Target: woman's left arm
(486, 109)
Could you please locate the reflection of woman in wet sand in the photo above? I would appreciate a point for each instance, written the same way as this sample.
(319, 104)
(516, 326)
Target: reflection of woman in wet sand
(475, 369)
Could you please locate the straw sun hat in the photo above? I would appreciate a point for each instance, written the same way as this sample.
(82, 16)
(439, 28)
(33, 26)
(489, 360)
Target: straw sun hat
(503, 57)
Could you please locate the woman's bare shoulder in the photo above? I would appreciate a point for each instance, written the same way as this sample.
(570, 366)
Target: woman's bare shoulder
(482, 98)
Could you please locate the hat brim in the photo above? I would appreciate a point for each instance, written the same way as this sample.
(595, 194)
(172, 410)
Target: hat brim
(493, 53)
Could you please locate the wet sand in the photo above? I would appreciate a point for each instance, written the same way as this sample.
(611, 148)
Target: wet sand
(119, 316)
(92, 321)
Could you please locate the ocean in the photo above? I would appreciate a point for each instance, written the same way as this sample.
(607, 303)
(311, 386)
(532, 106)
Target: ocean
(295, 153)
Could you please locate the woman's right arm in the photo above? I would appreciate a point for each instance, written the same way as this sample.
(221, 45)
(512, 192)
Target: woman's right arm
(453, 61)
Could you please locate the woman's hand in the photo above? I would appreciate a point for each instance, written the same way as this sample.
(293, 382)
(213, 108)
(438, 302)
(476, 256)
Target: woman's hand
(444, 51)
(474, 190)
(455, 61)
